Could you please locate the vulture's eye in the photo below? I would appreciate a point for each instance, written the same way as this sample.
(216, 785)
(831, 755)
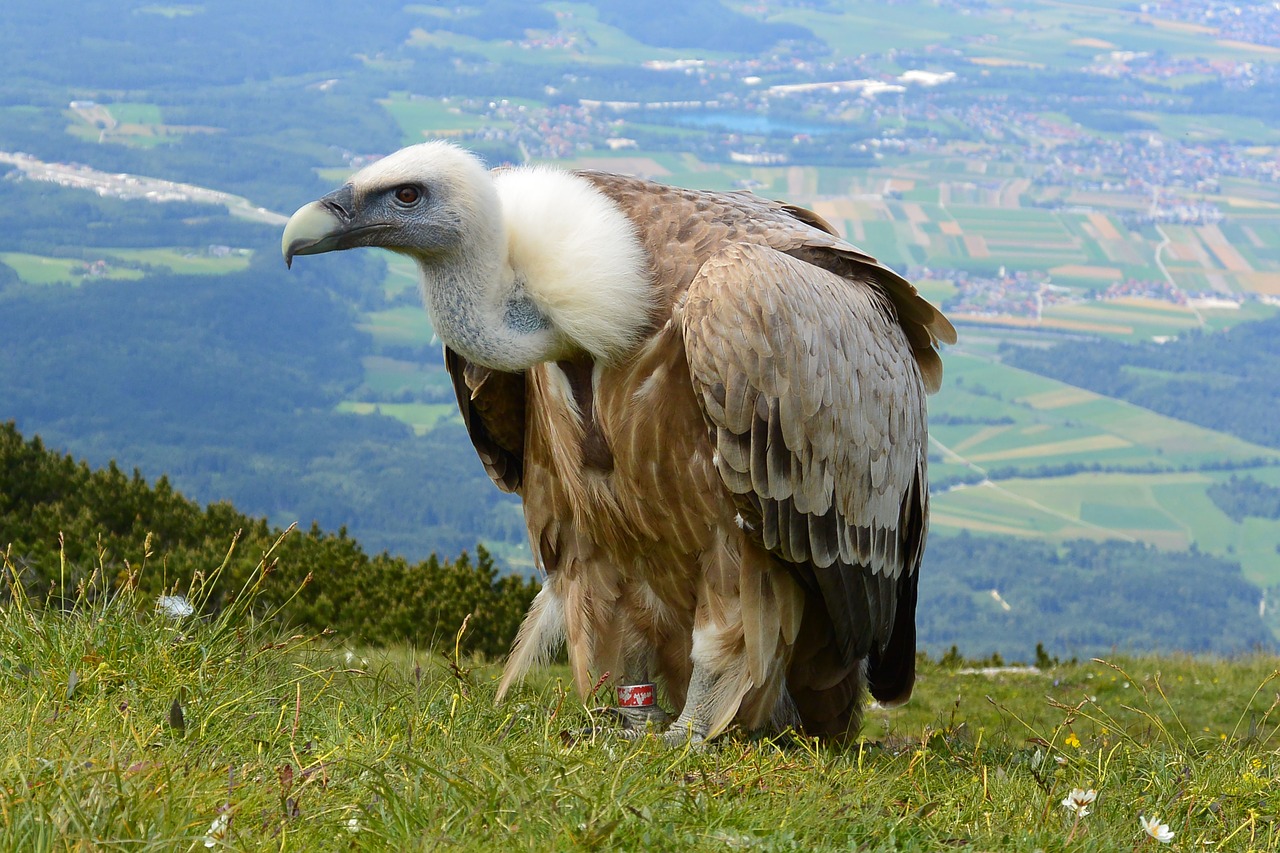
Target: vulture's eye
(408, 195)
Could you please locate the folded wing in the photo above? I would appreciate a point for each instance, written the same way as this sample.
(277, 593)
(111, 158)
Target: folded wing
(815, 402)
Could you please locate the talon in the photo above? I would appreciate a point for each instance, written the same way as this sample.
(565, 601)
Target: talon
(689, 734)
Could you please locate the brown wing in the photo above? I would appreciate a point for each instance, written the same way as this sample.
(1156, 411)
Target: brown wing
(817, 411)
(493, 409)
(680, 228)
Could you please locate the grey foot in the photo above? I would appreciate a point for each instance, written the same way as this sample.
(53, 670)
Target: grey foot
(686, 731)
(635, 722)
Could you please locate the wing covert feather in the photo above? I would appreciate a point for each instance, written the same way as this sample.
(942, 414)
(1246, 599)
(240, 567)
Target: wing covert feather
(492, 404)
(816, 403)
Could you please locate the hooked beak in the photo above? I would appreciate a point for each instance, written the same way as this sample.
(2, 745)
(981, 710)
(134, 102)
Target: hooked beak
(320, 226)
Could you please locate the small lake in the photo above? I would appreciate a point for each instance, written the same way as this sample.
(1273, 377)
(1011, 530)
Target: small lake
(749, 123)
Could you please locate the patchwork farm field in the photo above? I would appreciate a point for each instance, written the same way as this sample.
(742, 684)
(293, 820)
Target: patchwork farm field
(1059, 462)
(1170, 511)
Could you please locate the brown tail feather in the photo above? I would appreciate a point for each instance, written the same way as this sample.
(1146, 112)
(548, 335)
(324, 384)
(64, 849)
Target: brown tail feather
(827, 690)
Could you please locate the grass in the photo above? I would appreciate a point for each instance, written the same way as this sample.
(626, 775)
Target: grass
(402, 275)
(134, 729)
(38, 269)
(134, 113)
(422, 417)
(405, 325)
(186, 261)
(423, 118)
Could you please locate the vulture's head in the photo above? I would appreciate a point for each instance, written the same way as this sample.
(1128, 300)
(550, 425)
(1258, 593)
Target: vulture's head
(518, 267)
(430, 201)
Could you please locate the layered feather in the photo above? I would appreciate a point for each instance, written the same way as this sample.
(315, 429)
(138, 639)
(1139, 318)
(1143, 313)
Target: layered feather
(760, 389)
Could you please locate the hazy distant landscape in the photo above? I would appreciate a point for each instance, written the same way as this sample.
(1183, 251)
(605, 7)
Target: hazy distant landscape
(1091, 190)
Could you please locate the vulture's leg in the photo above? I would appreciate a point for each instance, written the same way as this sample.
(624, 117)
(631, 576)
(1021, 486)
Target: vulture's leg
(717, 685)
(637, 708)
(748, 617)
(638, 722)
(693, 725)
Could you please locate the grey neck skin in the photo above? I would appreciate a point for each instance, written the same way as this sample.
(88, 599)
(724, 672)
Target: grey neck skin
(482, 312)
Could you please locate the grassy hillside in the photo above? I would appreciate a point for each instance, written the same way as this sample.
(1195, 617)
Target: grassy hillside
(130, 727)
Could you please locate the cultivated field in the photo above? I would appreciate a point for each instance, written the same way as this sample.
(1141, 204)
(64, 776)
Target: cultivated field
(134, 124)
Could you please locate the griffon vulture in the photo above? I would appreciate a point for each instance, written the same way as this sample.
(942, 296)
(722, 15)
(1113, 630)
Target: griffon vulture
(713, 408)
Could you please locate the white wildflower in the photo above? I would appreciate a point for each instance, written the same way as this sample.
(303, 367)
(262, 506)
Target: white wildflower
(353, 825)
(217, 831)
(1157, 830)
(174, 606)
(1079, 800)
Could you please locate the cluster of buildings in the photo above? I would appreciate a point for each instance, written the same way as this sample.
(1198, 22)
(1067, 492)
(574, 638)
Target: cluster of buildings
(1160, 66)
(1253, 22)
(1134, 288)
(1008, 293)
(1026, 294)
(1136, 161)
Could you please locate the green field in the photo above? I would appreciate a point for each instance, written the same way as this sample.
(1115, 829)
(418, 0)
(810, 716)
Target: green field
(133, 113)
(1166, 510)
(185, 261)
(137, 730)
(422, 118)
(402, 275)
(394, 376)
(406, 325)
(423, 417)
(1025, 426)
(131, 123)
(37, 269)
(122, 264)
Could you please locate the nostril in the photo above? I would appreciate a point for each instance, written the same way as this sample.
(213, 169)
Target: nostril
(340, 202)
(336, 208)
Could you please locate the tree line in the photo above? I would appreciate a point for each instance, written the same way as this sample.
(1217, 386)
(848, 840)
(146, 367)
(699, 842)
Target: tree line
(66, 526)
(992, 594)
(1242, 497)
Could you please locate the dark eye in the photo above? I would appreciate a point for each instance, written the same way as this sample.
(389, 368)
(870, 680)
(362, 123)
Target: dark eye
(408, 195)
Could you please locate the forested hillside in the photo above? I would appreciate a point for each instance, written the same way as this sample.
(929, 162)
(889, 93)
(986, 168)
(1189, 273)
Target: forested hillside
(66, 525)
(998, 594)
(983, 594)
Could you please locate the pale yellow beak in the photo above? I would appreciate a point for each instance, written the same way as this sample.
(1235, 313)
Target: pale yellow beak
(311, 230)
